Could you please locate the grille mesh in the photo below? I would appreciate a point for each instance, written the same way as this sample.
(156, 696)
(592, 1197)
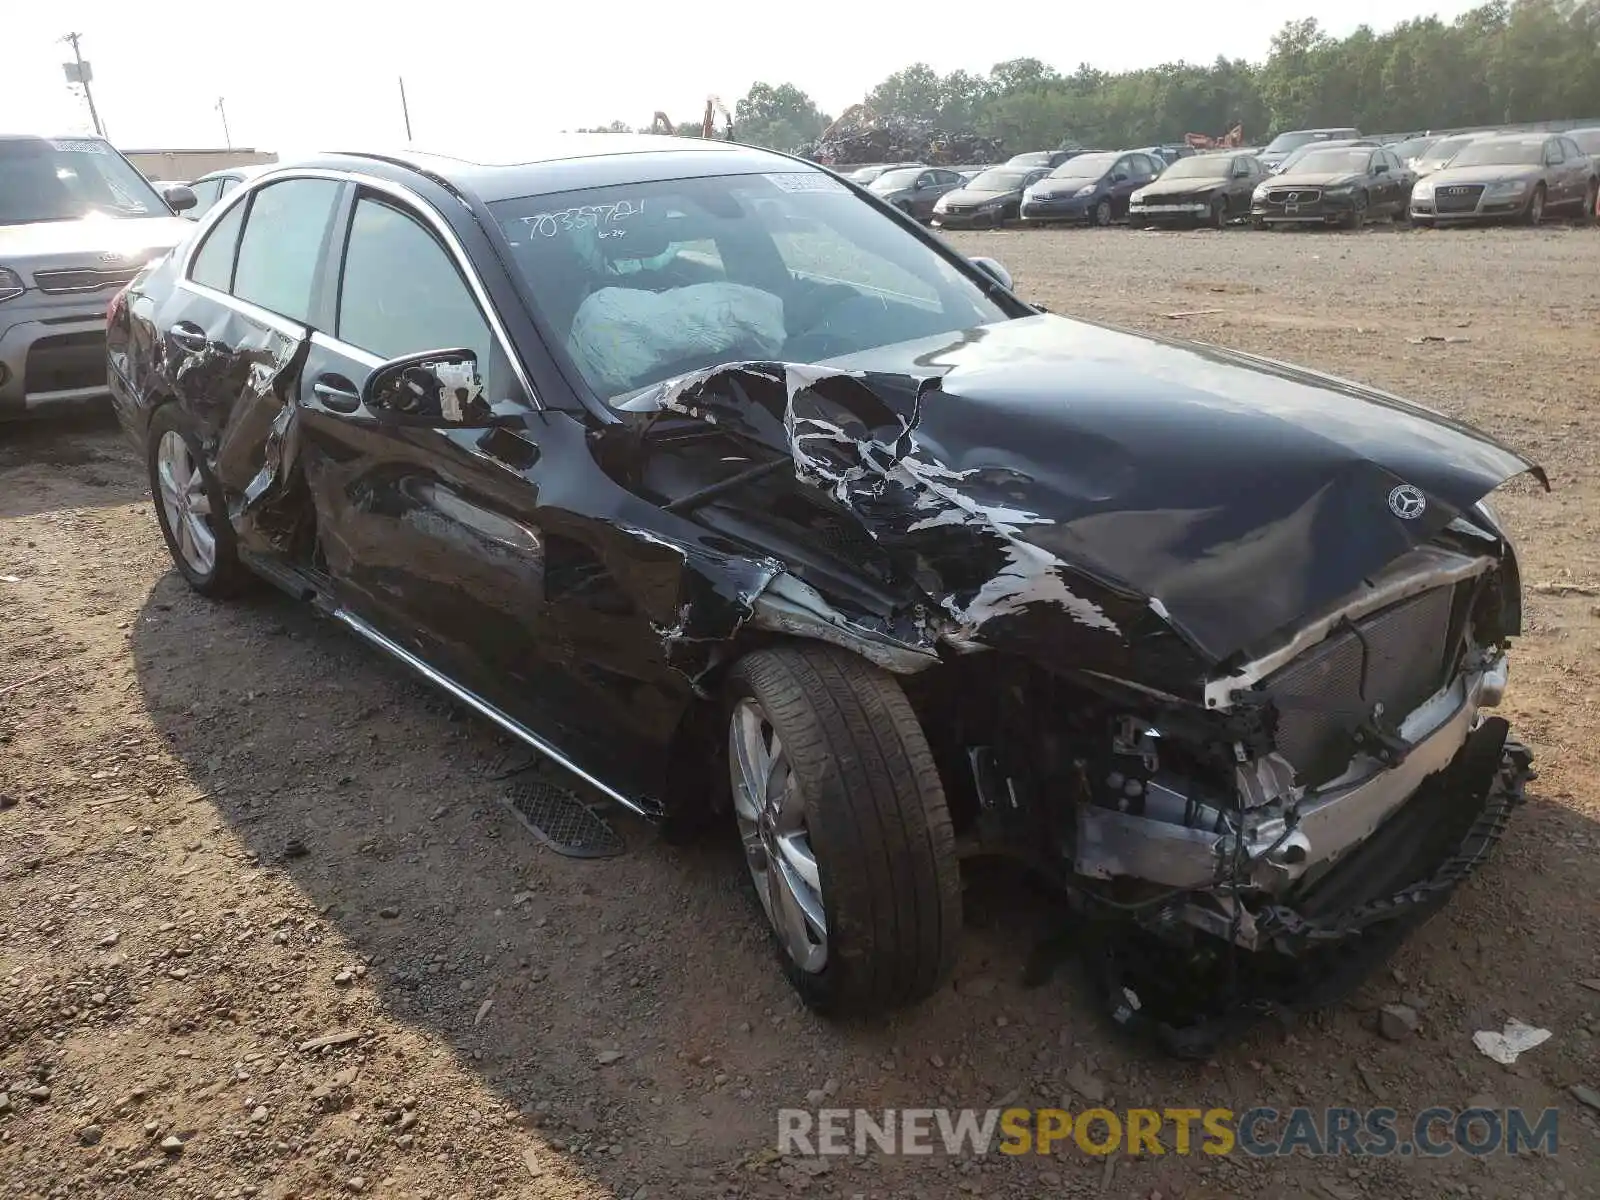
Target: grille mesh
(1458, 198)
(1320, 698)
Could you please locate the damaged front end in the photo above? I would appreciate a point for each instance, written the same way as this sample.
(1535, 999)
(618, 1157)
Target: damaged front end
(1210, 648)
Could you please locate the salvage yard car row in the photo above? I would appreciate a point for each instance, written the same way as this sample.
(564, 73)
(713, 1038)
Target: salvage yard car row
(1305, 177)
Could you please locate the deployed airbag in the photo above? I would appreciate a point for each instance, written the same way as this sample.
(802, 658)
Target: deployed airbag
(625, 338)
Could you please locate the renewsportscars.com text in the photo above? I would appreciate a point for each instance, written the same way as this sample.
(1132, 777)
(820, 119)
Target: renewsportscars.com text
(1261, 1132)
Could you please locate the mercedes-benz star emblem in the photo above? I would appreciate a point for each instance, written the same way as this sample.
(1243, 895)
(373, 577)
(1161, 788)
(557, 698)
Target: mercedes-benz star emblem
(1407, 502)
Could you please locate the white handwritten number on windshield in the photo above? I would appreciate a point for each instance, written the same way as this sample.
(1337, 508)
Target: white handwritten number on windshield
(584, 216)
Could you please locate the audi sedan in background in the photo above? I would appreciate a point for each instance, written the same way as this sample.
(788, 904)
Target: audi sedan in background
(761, 510)
(1337, 186)
(1210, 189)
(1090, 189)
(987, 201)
(1520, 176)
(77, 222)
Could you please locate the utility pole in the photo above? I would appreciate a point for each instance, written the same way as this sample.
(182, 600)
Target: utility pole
(80, 72)
(404, 110)
(226, 136)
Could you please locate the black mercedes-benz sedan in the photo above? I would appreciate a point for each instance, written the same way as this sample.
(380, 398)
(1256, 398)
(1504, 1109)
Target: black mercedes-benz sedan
(746, 500)
(1343, 185)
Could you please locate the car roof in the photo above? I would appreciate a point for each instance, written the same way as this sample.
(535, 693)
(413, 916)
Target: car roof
(560, 162)
(245, 172)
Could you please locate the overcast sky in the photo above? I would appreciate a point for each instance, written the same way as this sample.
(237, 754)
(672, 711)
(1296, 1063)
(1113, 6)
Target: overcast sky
(301, 75)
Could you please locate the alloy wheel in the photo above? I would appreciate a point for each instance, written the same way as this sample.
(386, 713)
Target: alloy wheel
(186, 503)
(771, 812)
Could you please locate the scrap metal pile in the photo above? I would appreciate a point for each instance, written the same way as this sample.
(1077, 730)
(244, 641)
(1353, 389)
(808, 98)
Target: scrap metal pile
(860, 136)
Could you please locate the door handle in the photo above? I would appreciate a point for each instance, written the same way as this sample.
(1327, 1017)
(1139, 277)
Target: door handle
(189, 335)
(336, 393)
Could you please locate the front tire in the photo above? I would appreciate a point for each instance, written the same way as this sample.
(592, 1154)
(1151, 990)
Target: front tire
(1219, 213)
(190, 507)
(1102, 214)
(845, 829)
(1534, 213)
(1357, 217)
(1591, 202)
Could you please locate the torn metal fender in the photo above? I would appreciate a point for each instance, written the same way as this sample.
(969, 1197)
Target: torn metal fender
(791, 606)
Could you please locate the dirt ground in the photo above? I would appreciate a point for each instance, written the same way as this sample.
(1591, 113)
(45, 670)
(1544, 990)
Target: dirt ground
(231, 830)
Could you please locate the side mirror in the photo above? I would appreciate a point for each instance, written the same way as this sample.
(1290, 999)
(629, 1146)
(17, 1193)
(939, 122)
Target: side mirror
(180, 197)
(994, 270)
(435, 388)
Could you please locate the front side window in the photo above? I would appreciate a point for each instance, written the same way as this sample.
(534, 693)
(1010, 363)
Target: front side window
(624, 279)
(206, 193)
(213, 263)
(400, 292)
(65, 179)
(1553, 153)
(283, 238)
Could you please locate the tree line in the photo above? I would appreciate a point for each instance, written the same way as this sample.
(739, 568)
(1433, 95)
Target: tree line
(1505, 62)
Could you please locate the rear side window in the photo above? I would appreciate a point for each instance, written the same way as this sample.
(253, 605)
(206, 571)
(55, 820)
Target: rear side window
(400, 292)
(213, 263)
(282, 240)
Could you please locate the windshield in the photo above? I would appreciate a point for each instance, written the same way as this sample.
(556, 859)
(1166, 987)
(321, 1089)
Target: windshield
(1410, 148)
(1034, 158)
(1285, 142)
(1330, 162)
(65, 179)
(1085, 166)
(998, 181)
(891, 181)
(643, 282)
(1198, 167)
(1496, 153)
(1445, 149)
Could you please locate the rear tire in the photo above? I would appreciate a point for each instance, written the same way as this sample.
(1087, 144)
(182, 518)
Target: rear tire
(190, 507)
(860, 802)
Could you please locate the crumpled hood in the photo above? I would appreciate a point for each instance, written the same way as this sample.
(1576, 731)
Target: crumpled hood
(1049, 466)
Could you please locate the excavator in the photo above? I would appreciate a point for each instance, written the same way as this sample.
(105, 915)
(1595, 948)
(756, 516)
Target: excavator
(661, 123)
(1231, 140)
